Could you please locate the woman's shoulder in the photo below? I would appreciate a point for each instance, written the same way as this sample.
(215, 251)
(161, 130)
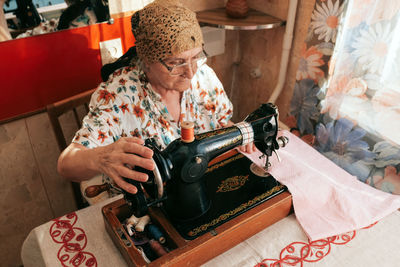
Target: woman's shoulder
(130, 72)
(123, 80)
(205, 70)
(206, 79)
(121, 86)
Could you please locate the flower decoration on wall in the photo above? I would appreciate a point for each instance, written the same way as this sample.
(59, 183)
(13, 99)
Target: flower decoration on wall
(304, 105)
(325, 20)
(310, 63)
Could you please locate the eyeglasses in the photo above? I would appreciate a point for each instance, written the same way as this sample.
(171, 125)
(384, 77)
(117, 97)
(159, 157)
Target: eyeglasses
(177, 66)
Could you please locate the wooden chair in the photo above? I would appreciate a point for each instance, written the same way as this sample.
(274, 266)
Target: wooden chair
(54, 111)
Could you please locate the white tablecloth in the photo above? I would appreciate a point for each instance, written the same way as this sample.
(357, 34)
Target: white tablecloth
(284, 242)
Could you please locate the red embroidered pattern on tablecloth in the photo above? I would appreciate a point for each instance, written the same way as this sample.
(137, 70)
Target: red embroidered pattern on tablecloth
(298, 253)
(73, 240)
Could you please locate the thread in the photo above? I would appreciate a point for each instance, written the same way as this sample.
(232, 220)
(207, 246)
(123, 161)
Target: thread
(157, 248)
(129, 229)
(143, 221)
(133, 220)
(155, 232)
(187, 131)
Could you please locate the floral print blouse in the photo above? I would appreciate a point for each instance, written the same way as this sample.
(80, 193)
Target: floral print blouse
(126, 105)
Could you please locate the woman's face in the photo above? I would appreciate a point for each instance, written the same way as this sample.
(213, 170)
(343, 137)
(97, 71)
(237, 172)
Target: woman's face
(160, 77)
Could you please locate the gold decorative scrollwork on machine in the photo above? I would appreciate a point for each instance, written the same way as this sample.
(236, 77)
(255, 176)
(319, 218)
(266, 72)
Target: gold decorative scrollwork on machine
(232, 183)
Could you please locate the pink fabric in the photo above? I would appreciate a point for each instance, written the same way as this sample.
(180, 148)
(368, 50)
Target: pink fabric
(327, 200)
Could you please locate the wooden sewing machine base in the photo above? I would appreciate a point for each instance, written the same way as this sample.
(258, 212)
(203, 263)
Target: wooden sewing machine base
(203, 248)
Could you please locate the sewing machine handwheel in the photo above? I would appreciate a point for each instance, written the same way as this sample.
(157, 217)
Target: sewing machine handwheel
(137, 202)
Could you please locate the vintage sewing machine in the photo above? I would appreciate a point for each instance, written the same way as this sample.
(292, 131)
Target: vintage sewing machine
(203, 195)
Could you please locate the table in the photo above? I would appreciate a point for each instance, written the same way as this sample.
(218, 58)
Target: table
(284, 241)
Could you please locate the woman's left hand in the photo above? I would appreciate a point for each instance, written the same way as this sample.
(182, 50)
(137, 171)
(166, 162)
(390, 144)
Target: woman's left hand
(249, 148)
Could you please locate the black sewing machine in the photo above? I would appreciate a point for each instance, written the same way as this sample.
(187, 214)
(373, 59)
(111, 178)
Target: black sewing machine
(185, 189)
(204, 195)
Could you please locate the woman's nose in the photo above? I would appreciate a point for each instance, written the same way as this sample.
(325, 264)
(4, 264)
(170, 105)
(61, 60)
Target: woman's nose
(190, 70)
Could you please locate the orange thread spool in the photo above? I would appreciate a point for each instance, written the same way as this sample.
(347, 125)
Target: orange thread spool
(187, 131)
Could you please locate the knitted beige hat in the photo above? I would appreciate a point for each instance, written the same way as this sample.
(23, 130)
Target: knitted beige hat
(165, 28)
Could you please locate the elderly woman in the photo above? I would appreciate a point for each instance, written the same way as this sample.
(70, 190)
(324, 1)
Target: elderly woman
(166, 82)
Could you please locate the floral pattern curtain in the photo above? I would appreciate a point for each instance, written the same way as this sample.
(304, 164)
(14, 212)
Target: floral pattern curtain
(346, 100)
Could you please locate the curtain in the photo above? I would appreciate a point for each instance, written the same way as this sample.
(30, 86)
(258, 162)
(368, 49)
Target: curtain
(346, 100)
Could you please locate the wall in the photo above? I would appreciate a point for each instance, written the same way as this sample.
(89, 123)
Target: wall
(261, 49)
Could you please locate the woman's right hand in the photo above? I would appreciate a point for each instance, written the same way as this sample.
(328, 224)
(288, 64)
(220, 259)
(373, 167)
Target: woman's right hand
(118, 160)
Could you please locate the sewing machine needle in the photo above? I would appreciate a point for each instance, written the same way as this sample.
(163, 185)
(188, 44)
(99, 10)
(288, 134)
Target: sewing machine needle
(277, 155)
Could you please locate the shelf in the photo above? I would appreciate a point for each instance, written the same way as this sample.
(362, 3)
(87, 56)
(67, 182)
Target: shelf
(256, 20)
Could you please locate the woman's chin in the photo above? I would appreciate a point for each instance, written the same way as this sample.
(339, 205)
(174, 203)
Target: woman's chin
(182, 86)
